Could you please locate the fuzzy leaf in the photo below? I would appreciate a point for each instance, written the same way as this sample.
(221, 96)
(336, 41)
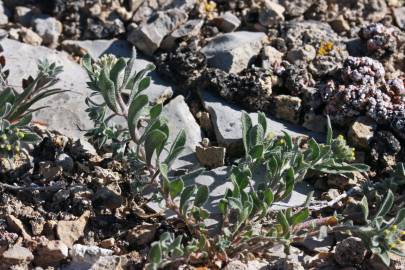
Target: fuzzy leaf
(176, 187)
(185, 197)
(364, 207)
(202, 196)
(154, 143)
(246, 126)
(155, 253)
(386, 205)
(134, 112)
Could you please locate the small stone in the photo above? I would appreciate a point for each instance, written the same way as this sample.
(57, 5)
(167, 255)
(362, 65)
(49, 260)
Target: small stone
(315, 244)
(314, 122)
(399, 15)
(70, 231)
(107, 243)
(236, 265)
(17, 255)
(37, 226)
(30, 37)
(17, 226)
(183, 33)
(82, 255)
(23, 15)
(271, 14)
(51, 254)
(49, 170)
(49, 29)
(211, 156)
(142, 234)
(233, 52)
(65, 161)
(271, 57)
(108, 197)
(287, 108)
(227, 22)
(340, 24)
(340, 181)
(301, 55)
(148, 37)
(361, 132)
(350, 252)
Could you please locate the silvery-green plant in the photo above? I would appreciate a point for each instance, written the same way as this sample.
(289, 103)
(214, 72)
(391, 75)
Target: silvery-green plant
(382, 232)
(16, 107)
(244, 206)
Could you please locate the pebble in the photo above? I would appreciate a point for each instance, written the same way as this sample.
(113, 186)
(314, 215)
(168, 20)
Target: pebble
(16, 255)
(51, 254)
(350, 252)
(287, 108)
(227, 22)
(399, 16)
(361, 132)
(49, 29)
(233, 52)
(271, 14)
(30, 37)
(70, 231)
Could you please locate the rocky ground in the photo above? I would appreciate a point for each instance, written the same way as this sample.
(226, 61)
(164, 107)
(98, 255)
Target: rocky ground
(71, 207)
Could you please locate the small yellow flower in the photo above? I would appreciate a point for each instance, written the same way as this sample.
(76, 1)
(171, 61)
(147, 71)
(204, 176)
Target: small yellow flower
(394, 227)
(9, 147)
(270, 136)
(210, 6)
(392, 245)
(402, 233)
(281, 141)
(386, 232)
(325, 48)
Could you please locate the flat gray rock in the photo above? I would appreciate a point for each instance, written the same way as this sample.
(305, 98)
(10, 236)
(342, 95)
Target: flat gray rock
(66, 112)
(226, 120)
(233, 52)
(179, 117)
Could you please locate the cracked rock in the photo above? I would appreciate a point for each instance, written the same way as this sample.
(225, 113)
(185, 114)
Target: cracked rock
(233, 52)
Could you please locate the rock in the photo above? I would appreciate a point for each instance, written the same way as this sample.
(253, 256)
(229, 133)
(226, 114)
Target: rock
(70, 231)
(16, 255)
(65, 161)
(233, 52)
(24, 15)
(68, 109)
(49, 170)
(296, 8)
(350, 252)
(226, 120)
(342, 182)
(91, 257)
(17, 226)
(227, 22)
(180, 117)
(301, 55)
(148, 37)
(361, 132)
(399, 16)
(30, 37)
(183, 33)
(142, 234)
(108, 197)
(287, 108)
(236, 265)
(107, 243)
(49, 29)
(51, 254)
(4, 14)
(340, 24)
(315, 122)
(211, 156)
(271, 57)
(271, 14)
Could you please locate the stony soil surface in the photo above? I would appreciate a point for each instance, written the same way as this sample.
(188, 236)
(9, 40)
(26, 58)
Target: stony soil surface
(68, 206)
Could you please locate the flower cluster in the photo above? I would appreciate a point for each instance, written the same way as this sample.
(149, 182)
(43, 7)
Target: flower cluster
(379, 40)
(363, 90)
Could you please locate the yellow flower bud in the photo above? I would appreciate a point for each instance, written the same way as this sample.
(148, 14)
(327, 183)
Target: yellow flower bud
(392, 245)
(394, 227)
